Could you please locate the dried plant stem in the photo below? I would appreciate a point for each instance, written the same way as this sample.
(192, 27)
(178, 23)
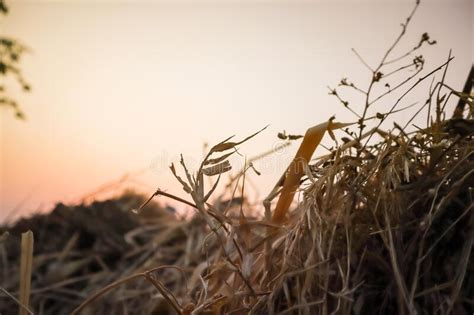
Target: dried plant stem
(376, 71)
(159, 192)
(146, 275)
(25, 270)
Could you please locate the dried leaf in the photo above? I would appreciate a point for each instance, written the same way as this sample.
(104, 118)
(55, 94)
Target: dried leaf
(212, 189)
(219, 159)
(294, 137)
(217, 169)
(186, 187)
(297, 167)
(282, 135)
(224, 145)
(220, 146)
(188, 175)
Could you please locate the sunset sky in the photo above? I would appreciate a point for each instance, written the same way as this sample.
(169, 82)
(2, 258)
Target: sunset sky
(124, 87)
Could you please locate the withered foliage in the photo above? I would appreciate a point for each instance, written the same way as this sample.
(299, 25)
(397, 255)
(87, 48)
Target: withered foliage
(384, 223)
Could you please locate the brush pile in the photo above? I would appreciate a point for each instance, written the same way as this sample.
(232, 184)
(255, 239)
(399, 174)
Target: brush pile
(384, 225)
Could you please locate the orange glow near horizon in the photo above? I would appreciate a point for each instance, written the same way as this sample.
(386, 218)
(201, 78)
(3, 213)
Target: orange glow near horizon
(124, 87)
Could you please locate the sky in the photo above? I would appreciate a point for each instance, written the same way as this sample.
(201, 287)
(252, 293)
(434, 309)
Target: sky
(121, 88)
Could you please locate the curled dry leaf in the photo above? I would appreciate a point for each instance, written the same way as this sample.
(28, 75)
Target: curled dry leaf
(217, 169)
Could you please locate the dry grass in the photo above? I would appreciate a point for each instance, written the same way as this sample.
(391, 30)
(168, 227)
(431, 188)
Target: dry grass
(385, 224)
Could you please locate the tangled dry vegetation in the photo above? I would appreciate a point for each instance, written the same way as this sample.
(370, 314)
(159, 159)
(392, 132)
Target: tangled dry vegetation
(385, 225)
